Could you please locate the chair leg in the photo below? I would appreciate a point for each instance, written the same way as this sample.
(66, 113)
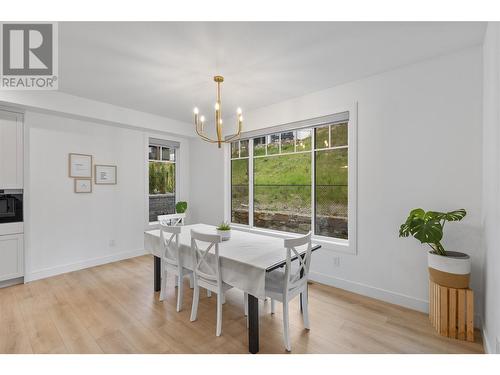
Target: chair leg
(209, 293)
(219, 314)
(223, 296)
(273, 306)
(191, 281)
(305, 309)
(196, 298)
(245, 299)
(286, 333)
(163, 290)
(180, 292)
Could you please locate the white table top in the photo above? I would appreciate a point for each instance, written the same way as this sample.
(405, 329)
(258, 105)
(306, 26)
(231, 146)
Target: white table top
(245, 258)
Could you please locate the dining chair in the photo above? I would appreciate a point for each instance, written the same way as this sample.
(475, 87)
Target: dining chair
(172, 219)
(207, 272)
(171, 262)
(284, 285)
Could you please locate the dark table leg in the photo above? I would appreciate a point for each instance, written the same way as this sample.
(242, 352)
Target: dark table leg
(301, 275)
(157, 274)
(253, 324)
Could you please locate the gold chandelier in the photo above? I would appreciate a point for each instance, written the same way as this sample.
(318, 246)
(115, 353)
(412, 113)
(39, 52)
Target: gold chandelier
(199, 121)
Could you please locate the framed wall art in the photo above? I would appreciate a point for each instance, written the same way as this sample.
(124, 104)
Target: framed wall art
(105, 174)
(80, 165)
(83, 185)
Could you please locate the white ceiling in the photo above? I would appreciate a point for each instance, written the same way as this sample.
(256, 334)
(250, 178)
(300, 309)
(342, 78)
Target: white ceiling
(166, 68)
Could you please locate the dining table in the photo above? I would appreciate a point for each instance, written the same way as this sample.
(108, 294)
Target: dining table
(245, 259)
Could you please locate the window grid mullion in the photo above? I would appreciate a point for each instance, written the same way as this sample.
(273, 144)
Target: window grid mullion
(250, 183)
(313, 181)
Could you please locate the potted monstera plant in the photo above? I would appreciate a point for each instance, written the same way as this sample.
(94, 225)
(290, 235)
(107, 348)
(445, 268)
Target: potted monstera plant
(447, 268)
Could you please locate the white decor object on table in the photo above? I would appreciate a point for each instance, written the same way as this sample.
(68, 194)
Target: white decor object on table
(286, 285)
(105, 174)
(171, 262)
(83, 185)
(224, 231)
(80, 165)
(207, 273)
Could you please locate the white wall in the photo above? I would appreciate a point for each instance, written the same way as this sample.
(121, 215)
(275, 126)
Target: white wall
(491, 184)
(419, 145)
(67, 231)
(207, 176)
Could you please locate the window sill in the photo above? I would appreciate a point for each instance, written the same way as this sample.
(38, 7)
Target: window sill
(330, 244)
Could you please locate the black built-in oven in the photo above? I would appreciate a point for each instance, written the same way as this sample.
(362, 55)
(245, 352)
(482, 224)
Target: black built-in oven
(11, 207)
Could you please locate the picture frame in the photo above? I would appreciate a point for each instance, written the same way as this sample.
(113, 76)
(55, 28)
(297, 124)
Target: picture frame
(83, 185)
(80, 165)
(105, 174)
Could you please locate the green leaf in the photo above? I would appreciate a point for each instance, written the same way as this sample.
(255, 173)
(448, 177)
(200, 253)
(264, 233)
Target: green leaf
(456, 215)
(416, 213)
(426, 231)
(404, 230)
(434, 215)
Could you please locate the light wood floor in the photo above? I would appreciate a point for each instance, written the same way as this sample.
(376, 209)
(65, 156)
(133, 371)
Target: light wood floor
(112, 309)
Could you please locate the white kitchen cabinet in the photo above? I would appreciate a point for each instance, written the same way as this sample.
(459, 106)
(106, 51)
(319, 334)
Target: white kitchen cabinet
(11, 256)
(11, 150)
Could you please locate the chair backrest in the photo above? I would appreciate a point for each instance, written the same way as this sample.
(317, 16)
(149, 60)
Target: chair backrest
(297, 278)
(169, 241)
(206, 267)
(172, 219)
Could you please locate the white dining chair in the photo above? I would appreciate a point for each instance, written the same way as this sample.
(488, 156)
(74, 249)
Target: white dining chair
(172, 219)
(207, 272)
(171, 262)
(284, 285)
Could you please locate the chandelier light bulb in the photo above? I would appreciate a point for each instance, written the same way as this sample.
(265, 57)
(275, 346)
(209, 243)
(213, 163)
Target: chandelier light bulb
(195, 110)
(202, 118)
(238, 111)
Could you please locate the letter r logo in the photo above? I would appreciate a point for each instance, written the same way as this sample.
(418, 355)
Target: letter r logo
(27, 49)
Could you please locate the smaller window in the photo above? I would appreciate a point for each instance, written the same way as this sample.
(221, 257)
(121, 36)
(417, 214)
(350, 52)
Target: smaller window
(303, 140)
(235, 150)
(339, 135)
(322, 137)
(165, 154)
(154, 153)
(244, 148)
(287, 142)
(273, 144)
(259, 146)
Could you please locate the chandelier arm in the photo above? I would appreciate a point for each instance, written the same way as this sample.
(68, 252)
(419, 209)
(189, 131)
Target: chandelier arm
(231, 138)
(204, 137)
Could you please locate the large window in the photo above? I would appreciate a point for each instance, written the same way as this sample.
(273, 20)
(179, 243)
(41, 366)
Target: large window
(293, 181)
(161, 180)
